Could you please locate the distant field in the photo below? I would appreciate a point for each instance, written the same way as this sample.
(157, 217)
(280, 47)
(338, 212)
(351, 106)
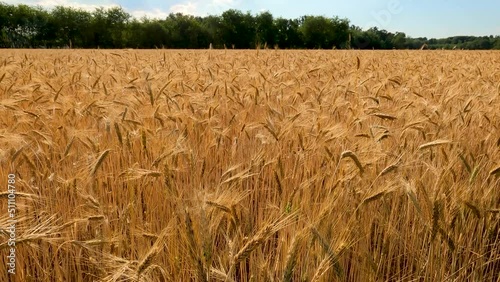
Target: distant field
(262, 165)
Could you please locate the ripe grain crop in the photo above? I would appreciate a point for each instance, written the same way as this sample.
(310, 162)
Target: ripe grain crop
(263, 165)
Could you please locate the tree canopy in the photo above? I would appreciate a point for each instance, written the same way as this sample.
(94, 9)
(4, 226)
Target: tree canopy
(25, 26)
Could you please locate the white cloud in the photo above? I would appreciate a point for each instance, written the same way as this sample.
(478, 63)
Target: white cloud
(49, 4)
(152, 14)
(203, 7)
(188, 8)
(223, 2)
(17, 2)
(221, 5)
(192, 7)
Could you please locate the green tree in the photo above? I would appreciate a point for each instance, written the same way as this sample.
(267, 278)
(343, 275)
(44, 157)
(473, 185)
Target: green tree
(265, 29)
(386, 39)
(238, 29)
(108, 27)
(7, 25)
(213, 26)
(321, 32)
(288, 34)
(496, 45)
(22, 25)
(145, 34)
(116, 20)
(341, 32)
(28, 27)
(186, 32)
(68, 26)
(399, 40)
(317, 32)
(101, 37)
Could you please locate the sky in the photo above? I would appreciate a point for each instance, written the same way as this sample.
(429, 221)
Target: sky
(416, 18)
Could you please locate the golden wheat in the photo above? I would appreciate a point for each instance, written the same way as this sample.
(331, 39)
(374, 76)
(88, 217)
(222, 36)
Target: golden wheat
(262, 165)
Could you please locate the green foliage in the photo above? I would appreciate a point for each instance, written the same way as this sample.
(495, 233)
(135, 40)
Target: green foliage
(238, 29)
(186, 32)
(265, 29)
(23, 26)
(496, 45)
(288, 33)
(68, 26)
(321, 32)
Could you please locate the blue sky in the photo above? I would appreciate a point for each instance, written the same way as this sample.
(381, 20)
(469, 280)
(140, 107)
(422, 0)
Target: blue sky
(416, 18)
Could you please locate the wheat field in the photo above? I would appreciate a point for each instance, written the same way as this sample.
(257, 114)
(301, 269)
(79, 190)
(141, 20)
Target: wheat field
(261, 165)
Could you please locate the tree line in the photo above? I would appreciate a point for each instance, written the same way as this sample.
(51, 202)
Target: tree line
(24, 26)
